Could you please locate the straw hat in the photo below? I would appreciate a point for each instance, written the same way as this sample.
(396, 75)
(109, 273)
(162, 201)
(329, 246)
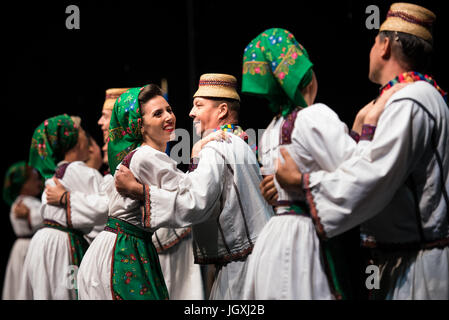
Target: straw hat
(217, 85)
(409, 18)
(111, 96)
(76, 120)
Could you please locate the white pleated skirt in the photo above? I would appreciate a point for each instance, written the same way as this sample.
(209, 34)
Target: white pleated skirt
(48, 270)
(286, 262)
(94, 274)
(424, 276)
(182, 276)
(14, 269)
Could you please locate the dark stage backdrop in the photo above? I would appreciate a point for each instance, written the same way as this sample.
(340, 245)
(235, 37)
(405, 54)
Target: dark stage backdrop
(50, 69)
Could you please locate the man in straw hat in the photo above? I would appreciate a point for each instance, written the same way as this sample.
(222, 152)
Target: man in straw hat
(103, 122)
(92, 201)
(219, 196)
(396, 184)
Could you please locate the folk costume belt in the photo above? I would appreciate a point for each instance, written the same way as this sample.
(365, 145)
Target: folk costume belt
(78, 245)
(135, 269)
(294, 208)
(440, 243)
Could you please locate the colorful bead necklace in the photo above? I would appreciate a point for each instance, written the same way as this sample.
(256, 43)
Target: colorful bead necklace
(238, 131)
(413, 76)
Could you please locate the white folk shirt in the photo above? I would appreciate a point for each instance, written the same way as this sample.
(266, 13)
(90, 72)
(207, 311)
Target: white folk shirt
(287, 262)
(26, 227)
(182, 276)
(23, 229)
(370, 188)
(92, 202)
(222, 202)
(48, 262)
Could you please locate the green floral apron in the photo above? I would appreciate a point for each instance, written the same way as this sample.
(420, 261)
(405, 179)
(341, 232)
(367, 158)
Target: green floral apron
(78, 245)
(136, 272)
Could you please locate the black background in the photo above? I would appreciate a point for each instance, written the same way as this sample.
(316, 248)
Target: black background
(51, 70)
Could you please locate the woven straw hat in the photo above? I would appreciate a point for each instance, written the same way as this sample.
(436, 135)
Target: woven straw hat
(76, 120)
(217, 85)
(409, 18)
(111, 96)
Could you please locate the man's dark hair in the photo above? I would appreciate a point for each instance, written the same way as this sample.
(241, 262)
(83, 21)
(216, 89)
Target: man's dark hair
(233, 104)
(415, 53)
(89, 138)
(149, 92)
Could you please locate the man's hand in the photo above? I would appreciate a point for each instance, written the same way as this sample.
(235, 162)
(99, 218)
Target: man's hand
(127, 185)
(360, 117)
(378, 106)
(287, 174)
(268, 190)
(55, 193)
(218, 135)
(21, 211)
(370, 113)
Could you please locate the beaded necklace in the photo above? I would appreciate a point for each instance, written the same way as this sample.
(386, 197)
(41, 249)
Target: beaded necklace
(413, 76)
(238, 131)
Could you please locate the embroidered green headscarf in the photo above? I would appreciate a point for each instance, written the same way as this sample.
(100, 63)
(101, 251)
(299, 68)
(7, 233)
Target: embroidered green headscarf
(124, 129)
(51, 140)
(277, 67)
(15, 177)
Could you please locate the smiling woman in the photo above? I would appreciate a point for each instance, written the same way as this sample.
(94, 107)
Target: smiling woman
(122, 262)
(158, 119)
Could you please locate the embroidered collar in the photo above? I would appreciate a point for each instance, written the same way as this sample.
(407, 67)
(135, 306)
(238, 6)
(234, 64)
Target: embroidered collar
(238, 131)
(413, 76)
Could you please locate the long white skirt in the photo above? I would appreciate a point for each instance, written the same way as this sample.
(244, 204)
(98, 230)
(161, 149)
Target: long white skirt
(48, 270)
(286, 262)
(229, 281)
(94, 274)
(182, 277)
(14, 269)
(424, 276)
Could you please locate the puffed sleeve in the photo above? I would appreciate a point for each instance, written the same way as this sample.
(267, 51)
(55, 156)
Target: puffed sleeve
(191, 199)
(365, 183)
(89, 207)
(320, 138)
(35, 217)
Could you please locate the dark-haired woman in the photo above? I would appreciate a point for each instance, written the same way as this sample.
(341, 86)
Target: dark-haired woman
(21, 188)
(59, 148)
(122, 261)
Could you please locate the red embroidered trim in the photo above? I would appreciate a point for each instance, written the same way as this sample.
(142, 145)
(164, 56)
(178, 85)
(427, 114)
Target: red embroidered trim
(112, 96)
(327, 270)
(318, 226)
(354, 135)
(60, 171)
(288, 126)
(367, 132)
(440, 243)
(68, 211)
(193, 164)
(226, 258)
(217, 83)
(409, 18)
(146, 218)
(174, 242)
(114, 295)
